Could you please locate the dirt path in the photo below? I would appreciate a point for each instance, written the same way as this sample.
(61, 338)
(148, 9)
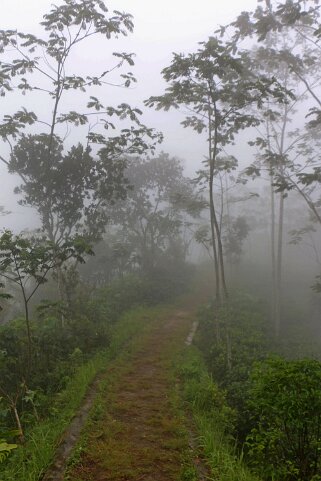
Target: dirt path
(138, 434)
(135, 430)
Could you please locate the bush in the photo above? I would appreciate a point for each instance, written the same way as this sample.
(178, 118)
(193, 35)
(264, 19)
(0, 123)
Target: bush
(285, 401)
(214, 420)
(204, 394)
(233, 338)
(64, 336)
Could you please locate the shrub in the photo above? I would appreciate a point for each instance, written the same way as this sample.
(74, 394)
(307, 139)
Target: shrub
(233, 338)
(285, 401)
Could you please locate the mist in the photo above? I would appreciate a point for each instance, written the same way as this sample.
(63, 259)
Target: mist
(160, 249)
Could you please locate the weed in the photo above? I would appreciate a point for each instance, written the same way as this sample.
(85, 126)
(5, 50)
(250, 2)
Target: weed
(212, 419)
(189, 473)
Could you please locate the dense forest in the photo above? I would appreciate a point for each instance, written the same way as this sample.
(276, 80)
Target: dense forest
(120, 232)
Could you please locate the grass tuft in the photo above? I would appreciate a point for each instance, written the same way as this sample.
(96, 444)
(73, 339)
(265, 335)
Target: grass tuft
(213, 420)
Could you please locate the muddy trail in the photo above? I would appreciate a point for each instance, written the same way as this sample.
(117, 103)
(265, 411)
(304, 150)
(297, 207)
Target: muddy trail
(135, 430)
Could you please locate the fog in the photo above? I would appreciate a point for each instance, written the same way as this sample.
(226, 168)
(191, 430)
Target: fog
(160, 239)
(159, 30)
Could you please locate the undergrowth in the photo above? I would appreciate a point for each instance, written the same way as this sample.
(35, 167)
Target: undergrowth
(30, 461)
(213, 418)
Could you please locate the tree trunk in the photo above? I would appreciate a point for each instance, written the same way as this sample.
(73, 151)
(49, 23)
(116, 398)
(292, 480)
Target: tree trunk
(61, 290)
(221, 259)
(18, 422)
(273, 255)
(279, 268)
(228, 350)
(28, 335)
(214, 246)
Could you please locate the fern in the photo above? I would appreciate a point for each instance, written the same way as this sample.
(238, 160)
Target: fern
(5, 449)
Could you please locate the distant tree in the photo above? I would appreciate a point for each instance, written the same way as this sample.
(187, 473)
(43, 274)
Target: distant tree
(237, 231)
(303, 16)
(4, 295)
(234, 228)
(114, 257)
(289, 34)
(151, 218)
(275, 140)
(217, 85)
(299, 21)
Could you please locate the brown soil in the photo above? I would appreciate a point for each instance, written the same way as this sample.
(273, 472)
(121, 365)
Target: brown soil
(138, 434)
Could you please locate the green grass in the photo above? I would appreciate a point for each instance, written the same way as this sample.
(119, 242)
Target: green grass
(213, 420)
(29, 462)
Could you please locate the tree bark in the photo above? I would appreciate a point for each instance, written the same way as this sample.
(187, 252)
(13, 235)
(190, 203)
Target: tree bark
(28, 334)
(279, 268)
(214, 246)
(18, 422)
(273, 254)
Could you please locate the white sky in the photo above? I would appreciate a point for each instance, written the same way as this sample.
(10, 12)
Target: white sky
(161, 27)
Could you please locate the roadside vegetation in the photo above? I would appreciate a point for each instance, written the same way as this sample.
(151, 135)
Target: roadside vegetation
(252, 404)
(56, 392)
(214, 419)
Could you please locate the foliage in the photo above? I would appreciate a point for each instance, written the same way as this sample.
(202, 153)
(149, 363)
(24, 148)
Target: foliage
(275, 16)
(236, 232)
(244, 322)
(66, 191)
(24, 259)
(161, 202)
(285, 401)
(217, 85)
(69, 189)
(29, 463)
(276, 401)
(26, 263)
(232, 339)
(5, 447)
(289, 36)
(160, 286)
(200, 390)
(4, 295)
(214, 419)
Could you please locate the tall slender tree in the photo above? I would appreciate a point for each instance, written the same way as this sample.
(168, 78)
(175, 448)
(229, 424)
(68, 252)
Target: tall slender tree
(217, 86)
(289, 49)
